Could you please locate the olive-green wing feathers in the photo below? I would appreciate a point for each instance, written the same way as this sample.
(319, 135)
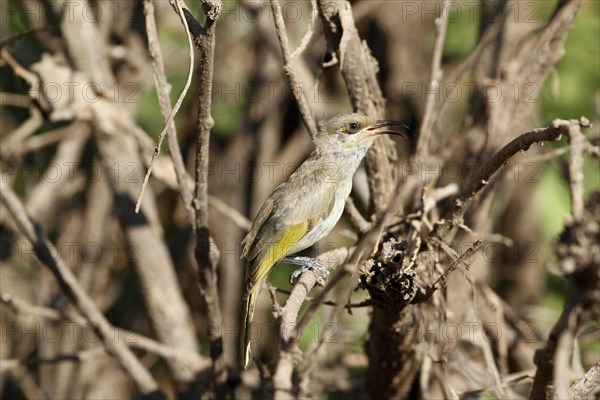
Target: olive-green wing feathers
(286, 217)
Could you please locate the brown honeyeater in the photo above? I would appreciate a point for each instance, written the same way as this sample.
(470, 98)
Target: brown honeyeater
(306, 207)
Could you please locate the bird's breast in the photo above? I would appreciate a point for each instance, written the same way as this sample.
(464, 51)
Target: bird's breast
(324, 225)
(335, 171)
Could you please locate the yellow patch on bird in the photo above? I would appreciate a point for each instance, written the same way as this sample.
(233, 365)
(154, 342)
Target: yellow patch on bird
(291, 235)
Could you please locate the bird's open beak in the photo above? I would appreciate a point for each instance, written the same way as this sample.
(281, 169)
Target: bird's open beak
(385, 126)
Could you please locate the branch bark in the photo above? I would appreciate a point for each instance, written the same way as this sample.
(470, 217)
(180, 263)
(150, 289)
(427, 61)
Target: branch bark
(204, 252)
(288, 69)
(288, 327)
(587, 384)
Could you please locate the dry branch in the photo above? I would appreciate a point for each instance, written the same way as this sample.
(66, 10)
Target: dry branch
(117, 138)
(288, 350)
(576, 149)
(71, 288)
(288, 69)
(164, 103)
(425, 133)
(355, 216)
(288, 315)
(163, 89)
(587, 385)
(499, 159)
(207, 262)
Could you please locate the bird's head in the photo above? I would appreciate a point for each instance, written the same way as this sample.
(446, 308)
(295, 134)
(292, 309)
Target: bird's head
(353, 132)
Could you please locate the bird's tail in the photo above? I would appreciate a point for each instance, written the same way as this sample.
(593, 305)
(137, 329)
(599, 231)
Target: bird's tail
(248, 315)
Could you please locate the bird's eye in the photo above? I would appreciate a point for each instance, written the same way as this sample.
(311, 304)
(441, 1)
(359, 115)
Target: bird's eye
(353, 127)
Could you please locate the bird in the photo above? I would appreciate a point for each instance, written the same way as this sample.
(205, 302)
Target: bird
(306, 207)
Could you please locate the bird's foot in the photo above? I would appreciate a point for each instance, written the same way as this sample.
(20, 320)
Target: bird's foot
(306, 263)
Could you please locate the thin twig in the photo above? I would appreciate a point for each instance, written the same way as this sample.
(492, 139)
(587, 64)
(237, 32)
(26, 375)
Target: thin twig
(163, 89)
(72, 289)
(295, 84)
(275, 289)
(310, 31)
(169, 120)
(441, 23)
(282, 379)
(562, 363)
(355, 216)
(234, 215)
(549, 155)
(442, 279)
(499, 159)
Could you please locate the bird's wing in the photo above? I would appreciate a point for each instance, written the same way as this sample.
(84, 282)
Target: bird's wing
(289, 213)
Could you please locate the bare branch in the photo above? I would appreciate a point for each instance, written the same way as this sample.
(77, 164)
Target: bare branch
(15, 38)
(295, 84)
(441, 281)
(207, 264)
(356, 217)
(495, 163)
(425, 132)
(586, 385)
(163, 89)
(282, 380)
(71, 288)
(169, 122)
(310, 31)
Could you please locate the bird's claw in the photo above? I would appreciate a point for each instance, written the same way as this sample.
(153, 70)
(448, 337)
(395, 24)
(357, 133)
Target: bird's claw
(308, 264)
